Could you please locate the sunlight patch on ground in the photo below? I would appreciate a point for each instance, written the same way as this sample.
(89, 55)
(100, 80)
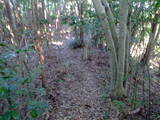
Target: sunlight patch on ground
(58, 43)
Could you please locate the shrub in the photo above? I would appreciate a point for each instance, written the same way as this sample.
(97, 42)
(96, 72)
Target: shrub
(19, 99)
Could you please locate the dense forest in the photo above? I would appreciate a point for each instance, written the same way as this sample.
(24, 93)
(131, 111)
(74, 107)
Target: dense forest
(79, 59)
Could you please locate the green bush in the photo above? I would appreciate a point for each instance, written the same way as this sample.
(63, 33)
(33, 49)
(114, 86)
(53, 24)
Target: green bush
(19, 99)
(44, 21)
(119, 104)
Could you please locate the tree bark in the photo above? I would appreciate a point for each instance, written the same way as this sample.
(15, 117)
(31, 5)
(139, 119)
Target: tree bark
(38, 41)
(117, 46)
(80, 15)
(105, 24)
(11, 26)
(111, 21)
(155, 31)
(119, 88)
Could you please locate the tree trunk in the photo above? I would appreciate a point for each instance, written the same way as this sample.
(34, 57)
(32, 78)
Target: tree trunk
(119, 88)
(38, 41)
(81, 34)
(80, 15)
(155, 31)
(117, 46)
(11, 26)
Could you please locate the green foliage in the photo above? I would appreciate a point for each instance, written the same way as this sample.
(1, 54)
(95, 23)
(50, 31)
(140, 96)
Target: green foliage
(11, 115)
(106, 116)
(18, 95)
(53, 16)
(1, 6)
(90, 22)
(156, 116)
(44, 21)
(70, 20)
(119, 104)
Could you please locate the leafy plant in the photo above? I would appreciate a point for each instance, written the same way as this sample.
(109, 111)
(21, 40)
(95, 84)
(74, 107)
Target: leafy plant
(106, 116)
(19, 98)
(119, 104)
(44, 21)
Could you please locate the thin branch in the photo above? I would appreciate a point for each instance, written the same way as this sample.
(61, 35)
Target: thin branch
(111, 21)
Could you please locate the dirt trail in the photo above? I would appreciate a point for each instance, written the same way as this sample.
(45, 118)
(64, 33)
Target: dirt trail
(79, 84)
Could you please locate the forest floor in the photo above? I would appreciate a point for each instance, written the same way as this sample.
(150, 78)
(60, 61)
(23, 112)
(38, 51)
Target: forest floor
(76, 86)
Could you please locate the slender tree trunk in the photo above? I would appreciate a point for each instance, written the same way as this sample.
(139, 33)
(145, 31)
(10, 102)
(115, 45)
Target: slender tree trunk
(18, 23)
(117, 45)
(119, 88)
(11, 26)
(81, 33)
(155, 31)
(105, 24)
(111, 20)
(80, 4)
(42, 9)
(38, 41)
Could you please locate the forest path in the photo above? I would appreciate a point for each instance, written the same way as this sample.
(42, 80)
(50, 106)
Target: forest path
(79, 84)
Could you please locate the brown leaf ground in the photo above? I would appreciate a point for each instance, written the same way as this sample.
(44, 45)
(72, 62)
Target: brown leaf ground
(76, 86)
